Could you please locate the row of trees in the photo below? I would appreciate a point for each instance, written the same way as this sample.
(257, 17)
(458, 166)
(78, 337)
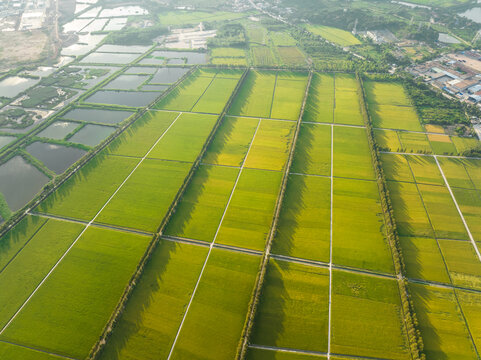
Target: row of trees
(410, 319)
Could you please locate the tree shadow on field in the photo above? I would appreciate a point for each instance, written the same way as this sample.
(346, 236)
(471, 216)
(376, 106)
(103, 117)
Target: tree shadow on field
(303, 160)
(292, 206)
(184, 211)
(128, 133)
(241, 100)
(269, 321)
(131, 322)
(221, 139)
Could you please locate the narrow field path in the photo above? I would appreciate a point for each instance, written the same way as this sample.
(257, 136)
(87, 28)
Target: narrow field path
(86, 227)
(38, 350)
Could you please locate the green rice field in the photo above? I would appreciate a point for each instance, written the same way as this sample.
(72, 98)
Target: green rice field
(320, 101)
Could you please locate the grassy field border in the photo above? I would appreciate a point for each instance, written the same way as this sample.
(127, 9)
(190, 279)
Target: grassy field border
(257, 292)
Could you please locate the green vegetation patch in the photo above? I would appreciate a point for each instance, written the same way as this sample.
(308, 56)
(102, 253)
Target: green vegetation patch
(313, 150)
(358, 238)
(288, 98)
(444, 216)
(148, 326)
(187, 17)
(15, 352)
(456, 173)
(217, 314)
(470, 203)
(473, 167)
(304, 224)
(442, 144)
(366, 317)
(425, 170)
(137, 139)
(462, 262)
(228, 52)
(352, 157)
(293, 310)
(443, 329)
(320, 100)
(146, 197)
(26, 270)
(424, 259)
(386, 93)
(262, 56)
(199, 213)
(249, 215)
(335, 35)
(185, 139)
(231, 142)
(216, 96)
(409, 210)
(14, 240)
(394, 117)
(291, 56)
(396, 167)
(464, 145)
(470, 302)
(271, 145)
(415, 142)
(347, 108)
(258, 354)
(84, 194)
(255, 96)
(69, 310)
(387, 140)
(186, 94)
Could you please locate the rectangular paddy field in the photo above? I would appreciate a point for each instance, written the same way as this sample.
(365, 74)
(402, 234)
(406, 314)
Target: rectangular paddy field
(320, 101)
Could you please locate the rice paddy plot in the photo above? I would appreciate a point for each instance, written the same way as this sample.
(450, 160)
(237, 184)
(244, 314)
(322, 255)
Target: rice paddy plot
(25, 271)
(424, 259)
(231, 143)
(84, 194)
(313, 150)
(216, 317)
(147, 327)
(234, 74)
(320, 100)
(396, 167)
(91, 135)
(335, 35)
(352, 157)
(291, 56)
(465, 144)
(145, 198)
(249, 215)
(16, 352)
(442, 144)
(68, 312)
(358, 238)
(473, 168)
(262, 56)
(185, 139)
(108, 117)
(365, 317)
(415, 142)
(138, 138)
(347, 106)
(199, 213)
(288, 98)
(456, 173)
(293, 308)
(409, 210)
(216, 96)
(394, 117)
(255, 96)
(425, 170)
(445, 218)
(260, 354)
(470, 203)
(186, 94)
(443, 330)
(304, 224)
(386, 93)
(135, 99)
(387, 140)
(16, 238)
(432, 128)
(271, 145)
(462, 263)
(470, 303)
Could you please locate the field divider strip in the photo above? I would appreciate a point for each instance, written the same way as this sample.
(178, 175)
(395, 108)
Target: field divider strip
(211, 246)
(257, 291)
(109, 327)
(86, 227)
(329, 325)
(431, 155)
(203, 93)
(273, 95)
(288, 350)
(471, 238)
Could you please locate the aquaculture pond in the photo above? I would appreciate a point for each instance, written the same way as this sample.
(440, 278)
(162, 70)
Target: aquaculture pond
(57, 158)
(122, 98)
(92, 135)
(109, 58)
(168, 75)
(58, 130)
(5, 140)
(20, 181)
(14, 85)
(127, 82)
(135, 49)
(141, 70)
(98, 116)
